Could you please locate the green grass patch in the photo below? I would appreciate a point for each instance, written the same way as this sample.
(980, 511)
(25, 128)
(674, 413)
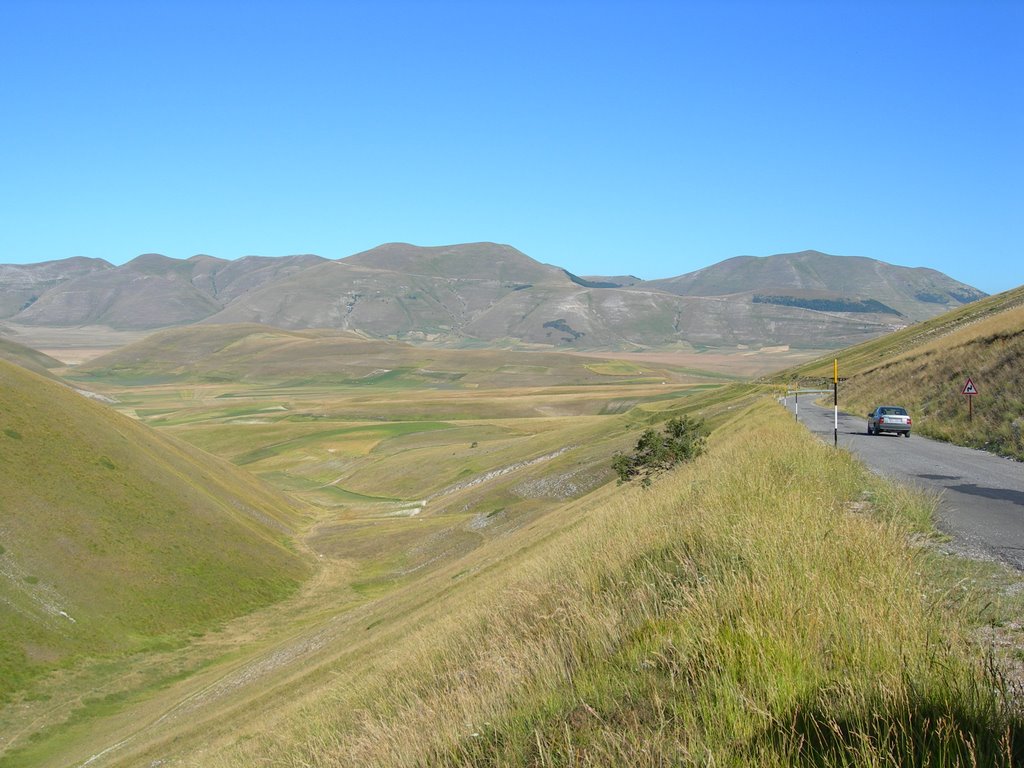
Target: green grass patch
(123, 536)
(44, 745)
(615, 368)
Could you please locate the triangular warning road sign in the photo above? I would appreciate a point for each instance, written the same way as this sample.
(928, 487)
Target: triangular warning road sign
(969, 388)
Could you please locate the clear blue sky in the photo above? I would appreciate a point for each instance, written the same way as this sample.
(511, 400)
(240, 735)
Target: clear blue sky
(651, 138)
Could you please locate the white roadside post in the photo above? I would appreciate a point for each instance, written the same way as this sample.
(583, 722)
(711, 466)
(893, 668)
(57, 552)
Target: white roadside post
(835, 401)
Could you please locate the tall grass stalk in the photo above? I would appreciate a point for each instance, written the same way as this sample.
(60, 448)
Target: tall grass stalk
(738, 612)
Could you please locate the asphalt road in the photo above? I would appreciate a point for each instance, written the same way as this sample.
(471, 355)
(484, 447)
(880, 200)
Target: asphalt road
(982, 495)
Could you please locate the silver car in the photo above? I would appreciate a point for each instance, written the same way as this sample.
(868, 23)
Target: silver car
(889, 418)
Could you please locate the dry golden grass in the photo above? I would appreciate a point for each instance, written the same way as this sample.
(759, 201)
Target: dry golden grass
(736, 613)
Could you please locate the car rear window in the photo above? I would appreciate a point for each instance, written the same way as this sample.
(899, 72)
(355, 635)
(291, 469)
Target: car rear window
(894, 411)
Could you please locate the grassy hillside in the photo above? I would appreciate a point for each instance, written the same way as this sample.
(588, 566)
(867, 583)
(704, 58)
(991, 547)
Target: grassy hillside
(486, 595)
(402, 481)
(925, 366)
(27, 357)
(114, 538)
(743, 611)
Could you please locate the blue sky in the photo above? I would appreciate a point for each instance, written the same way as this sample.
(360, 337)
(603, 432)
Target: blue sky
(649, 138)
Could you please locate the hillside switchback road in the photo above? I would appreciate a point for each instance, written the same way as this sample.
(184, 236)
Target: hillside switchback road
(982, 495)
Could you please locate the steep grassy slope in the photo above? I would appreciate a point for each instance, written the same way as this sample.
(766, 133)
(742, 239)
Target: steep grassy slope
(113, 537)
(737, 613)
(925, 366)
(481, 473)
(27, 357)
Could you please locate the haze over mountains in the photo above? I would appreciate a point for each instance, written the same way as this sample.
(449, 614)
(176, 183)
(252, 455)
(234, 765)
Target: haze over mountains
(485, 293)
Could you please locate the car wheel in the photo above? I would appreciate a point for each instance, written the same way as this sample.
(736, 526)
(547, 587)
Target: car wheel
(906, 434)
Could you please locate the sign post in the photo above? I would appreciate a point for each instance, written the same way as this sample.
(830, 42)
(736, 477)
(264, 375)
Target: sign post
(835, 401)
(969, 391)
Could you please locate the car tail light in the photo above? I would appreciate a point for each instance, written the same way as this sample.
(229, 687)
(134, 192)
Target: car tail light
(908, 421)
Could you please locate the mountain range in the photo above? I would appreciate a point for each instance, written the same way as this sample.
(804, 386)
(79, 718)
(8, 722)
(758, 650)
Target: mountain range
(487, 294)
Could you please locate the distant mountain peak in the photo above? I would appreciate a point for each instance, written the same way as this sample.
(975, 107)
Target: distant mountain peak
(475, 261)
(149, 263)
(825, 280)
(150, 258)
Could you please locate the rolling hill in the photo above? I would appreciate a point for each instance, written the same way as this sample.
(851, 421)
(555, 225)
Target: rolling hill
(403, 291)
(258, 353)
(27, 357)
(491, 294)
(113, 537)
